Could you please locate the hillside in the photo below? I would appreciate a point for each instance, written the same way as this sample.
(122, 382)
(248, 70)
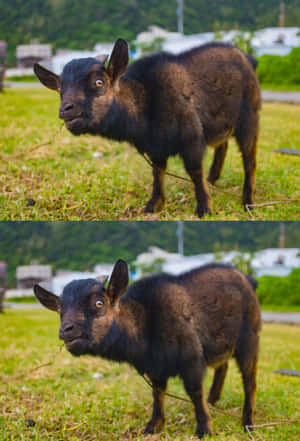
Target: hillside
(80, 245)
(69, 24)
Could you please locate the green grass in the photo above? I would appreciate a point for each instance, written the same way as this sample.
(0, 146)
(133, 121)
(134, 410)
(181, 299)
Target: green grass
(68, 183)
(280, 308)
(68, 404)
(25, 299)
(281, 87)
(23, 79)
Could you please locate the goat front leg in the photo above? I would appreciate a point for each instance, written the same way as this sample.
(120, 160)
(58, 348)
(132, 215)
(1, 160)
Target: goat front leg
(158, 418)
(158, 194)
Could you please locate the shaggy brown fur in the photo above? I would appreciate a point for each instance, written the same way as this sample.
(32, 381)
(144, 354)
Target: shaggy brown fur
(167, 105)
(166, 326)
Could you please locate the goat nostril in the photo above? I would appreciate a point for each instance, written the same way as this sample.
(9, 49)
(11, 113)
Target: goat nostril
(68, 107)
(69, 327)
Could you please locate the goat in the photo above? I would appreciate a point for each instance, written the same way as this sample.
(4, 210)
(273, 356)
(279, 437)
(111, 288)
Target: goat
(167, 325)
(166, 105)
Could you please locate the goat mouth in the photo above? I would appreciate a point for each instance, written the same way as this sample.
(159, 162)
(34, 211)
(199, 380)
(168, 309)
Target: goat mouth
(77, 346)
(71, 121)
(71, 341)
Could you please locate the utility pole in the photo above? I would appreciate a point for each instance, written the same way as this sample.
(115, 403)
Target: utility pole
(282, 235)
(179, 234)
(180, 16)
(282, 15)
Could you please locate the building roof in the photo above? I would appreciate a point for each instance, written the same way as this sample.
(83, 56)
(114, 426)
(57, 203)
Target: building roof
(34, 272)
(275, 261)
(59, 282)
(34, 50)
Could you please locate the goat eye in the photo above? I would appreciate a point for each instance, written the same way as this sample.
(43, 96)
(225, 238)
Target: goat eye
(99, 304)
(99, 83)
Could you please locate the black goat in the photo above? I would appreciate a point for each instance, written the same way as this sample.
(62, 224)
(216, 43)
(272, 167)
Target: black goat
(166, 326)
(167, 105)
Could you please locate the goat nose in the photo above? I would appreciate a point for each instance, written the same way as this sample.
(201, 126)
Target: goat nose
(68, 327)
(67, 107)
(66, 110)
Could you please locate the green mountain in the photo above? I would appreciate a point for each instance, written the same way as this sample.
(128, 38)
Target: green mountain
(81, 245)
(76, 24)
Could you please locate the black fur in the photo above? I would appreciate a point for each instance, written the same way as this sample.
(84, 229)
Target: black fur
(166, 105)
(166, 325)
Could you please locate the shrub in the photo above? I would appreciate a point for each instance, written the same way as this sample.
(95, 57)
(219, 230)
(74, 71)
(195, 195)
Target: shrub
(275, 290)
(276, 69)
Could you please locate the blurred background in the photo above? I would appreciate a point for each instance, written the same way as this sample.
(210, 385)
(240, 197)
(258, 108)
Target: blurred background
(54, 253)
(55, 31)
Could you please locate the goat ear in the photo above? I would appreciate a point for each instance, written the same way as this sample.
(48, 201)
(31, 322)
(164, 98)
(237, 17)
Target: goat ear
(102, 58)
(102, 279)
(47, 299)
(49, 79)
(118, 281)
(118, 60)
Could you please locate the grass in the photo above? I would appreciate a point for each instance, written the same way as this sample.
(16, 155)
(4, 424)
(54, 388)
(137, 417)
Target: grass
(281, 87)
(66, 403)
(22, 79)
(25, 299)
(281, 308)
(66, 182)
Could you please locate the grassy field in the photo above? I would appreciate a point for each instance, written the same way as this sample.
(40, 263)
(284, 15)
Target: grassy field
(65, 181)
(66, 403)
(281, 87)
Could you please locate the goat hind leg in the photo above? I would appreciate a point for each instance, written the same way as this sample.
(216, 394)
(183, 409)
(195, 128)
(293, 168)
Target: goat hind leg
(246, 136)
(247, 362)
(192, 376)
(218, 161)
(218, 382)
(193, 158)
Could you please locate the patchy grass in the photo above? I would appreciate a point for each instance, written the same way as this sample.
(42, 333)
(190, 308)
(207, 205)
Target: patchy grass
(66, 182)
(66, 403)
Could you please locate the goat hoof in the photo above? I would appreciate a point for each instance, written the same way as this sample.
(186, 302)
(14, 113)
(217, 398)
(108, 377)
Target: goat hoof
(154, 206)
(153, 427)
(247, 206)
(212, 400)
(202, 433)
(202, 211)
(248, 425)
(149, 430)
(212, 179)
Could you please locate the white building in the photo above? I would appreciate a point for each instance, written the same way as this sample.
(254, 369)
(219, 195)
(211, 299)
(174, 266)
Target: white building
(59, 61)
(103, 269)
(277, 41)
(103, 48)
(272, 261)
(276, 261)
(28, 275)
(28, 54)
(63, 278)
